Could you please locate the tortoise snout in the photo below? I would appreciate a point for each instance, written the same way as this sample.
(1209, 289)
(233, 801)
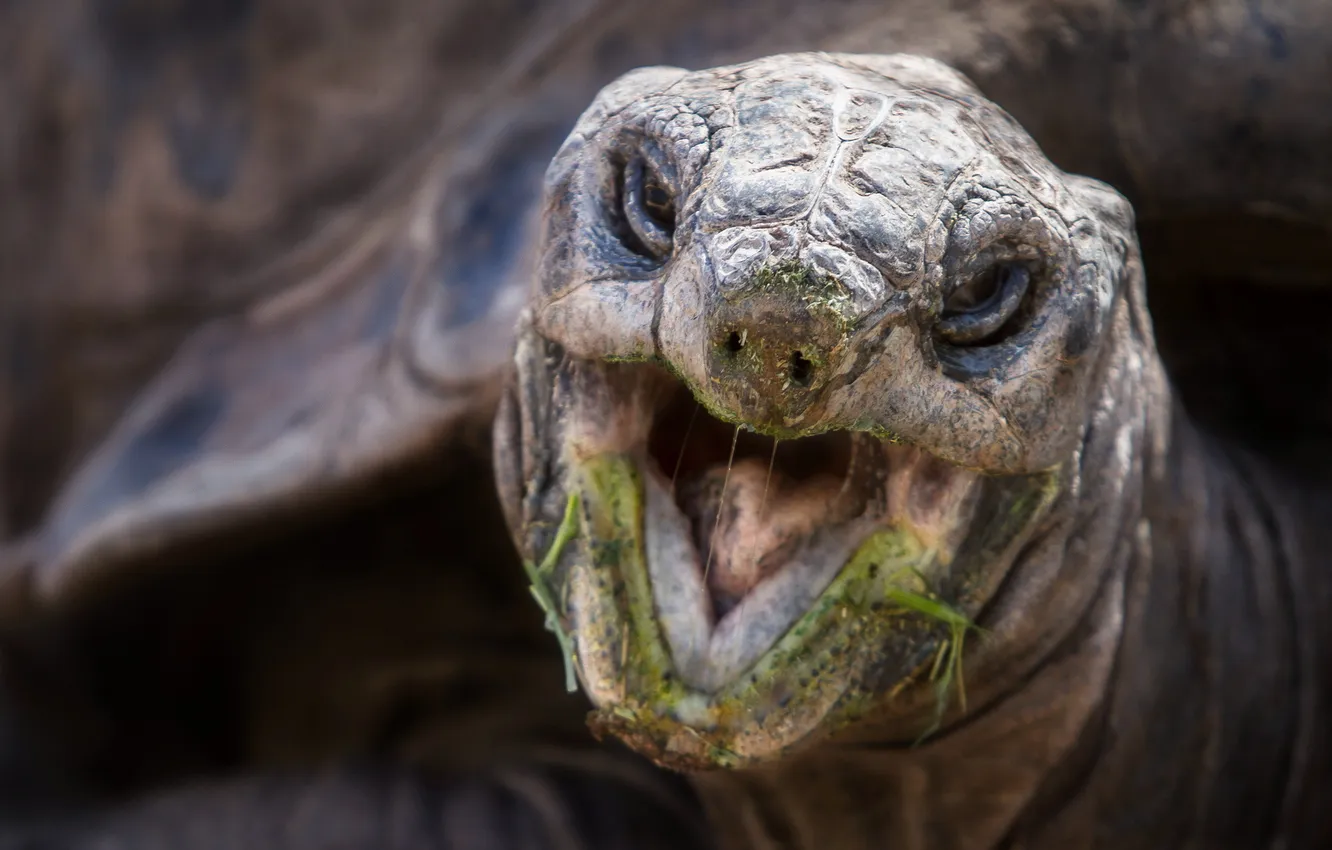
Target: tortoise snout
(771, 353)
(779, 317)
(770, 357)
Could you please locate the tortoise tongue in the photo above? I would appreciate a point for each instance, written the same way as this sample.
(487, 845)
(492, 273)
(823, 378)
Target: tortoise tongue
(763, 597)
(750, 522)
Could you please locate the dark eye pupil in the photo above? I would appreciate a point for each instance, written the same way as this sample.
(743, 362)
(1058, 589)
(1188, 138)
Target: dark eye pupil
(976, 294)
(646, 220)
(659, 205)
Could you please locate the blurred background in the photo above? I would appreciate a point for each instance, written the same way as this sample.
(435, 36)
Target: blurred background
(171, 167)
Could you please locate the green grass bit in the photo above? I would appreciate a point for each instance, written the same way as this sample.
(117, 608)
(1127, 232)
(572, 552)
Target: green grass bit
(931, 608)
(539, 576)
(947, 668)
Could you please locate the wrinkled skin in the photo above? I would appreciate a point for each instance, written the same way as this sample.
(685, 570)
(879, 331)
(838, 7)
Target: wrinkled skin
(260, 265)
(990, 313)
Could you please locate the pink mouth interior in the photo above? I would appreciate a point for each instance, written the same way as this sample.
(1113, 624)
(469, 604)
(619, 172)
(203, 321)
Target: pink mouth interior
(747, 518)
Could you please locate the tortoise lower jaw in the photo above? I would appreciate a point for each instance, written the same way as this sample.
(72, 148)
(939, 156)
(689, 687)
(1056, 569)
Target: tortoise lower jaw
(802, 654)
(719, 609)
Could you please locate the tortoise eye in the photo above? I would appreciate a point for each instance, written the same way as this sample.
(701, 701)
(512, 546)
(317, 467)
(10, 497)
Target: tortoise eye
(649, 207)
(660, 205)
(978, 309)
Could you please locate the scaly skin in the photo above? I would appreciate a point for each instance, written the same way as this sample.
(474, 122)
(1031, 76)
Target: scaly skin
(1151, 654)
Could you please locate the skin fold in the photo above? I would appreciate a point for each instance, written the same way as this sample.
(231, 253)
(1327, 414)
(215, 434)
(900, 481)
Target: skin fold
(1149, 598)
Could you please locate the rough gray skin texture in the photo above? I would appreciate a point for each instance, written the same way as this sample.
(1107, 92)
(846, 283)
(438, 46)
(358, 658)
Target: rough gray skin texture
(1155, 668)
(249, 244)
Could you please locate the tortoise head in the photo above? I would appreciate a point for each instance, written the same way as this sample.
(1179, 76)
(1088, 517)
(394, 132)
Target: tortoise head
(815, 343)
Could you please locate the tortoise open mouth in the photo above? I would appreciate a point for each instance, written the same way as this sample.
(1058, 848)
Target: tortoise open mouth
(743, 532)
(748, 505)
(728, 596)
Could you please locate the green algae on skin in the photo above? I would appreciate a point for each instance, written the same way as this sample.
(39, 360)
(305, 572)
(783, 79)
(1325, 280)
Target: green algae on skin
(818, 676)
(819, 291)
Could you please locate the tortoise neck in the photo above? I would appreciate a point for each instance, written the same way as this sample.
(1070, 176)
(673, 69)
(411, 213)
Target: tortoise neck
(1207, 733)
(1224, 651)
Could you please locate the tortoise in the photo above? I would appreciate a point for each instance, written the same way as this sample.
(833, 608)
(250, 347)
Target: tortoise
(251, 526)
(833, 367)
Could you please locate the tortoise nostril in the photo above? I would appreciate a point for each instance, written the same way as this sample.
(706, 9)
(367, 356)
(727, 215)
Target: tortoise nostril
(735, 342)
(801, 369)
